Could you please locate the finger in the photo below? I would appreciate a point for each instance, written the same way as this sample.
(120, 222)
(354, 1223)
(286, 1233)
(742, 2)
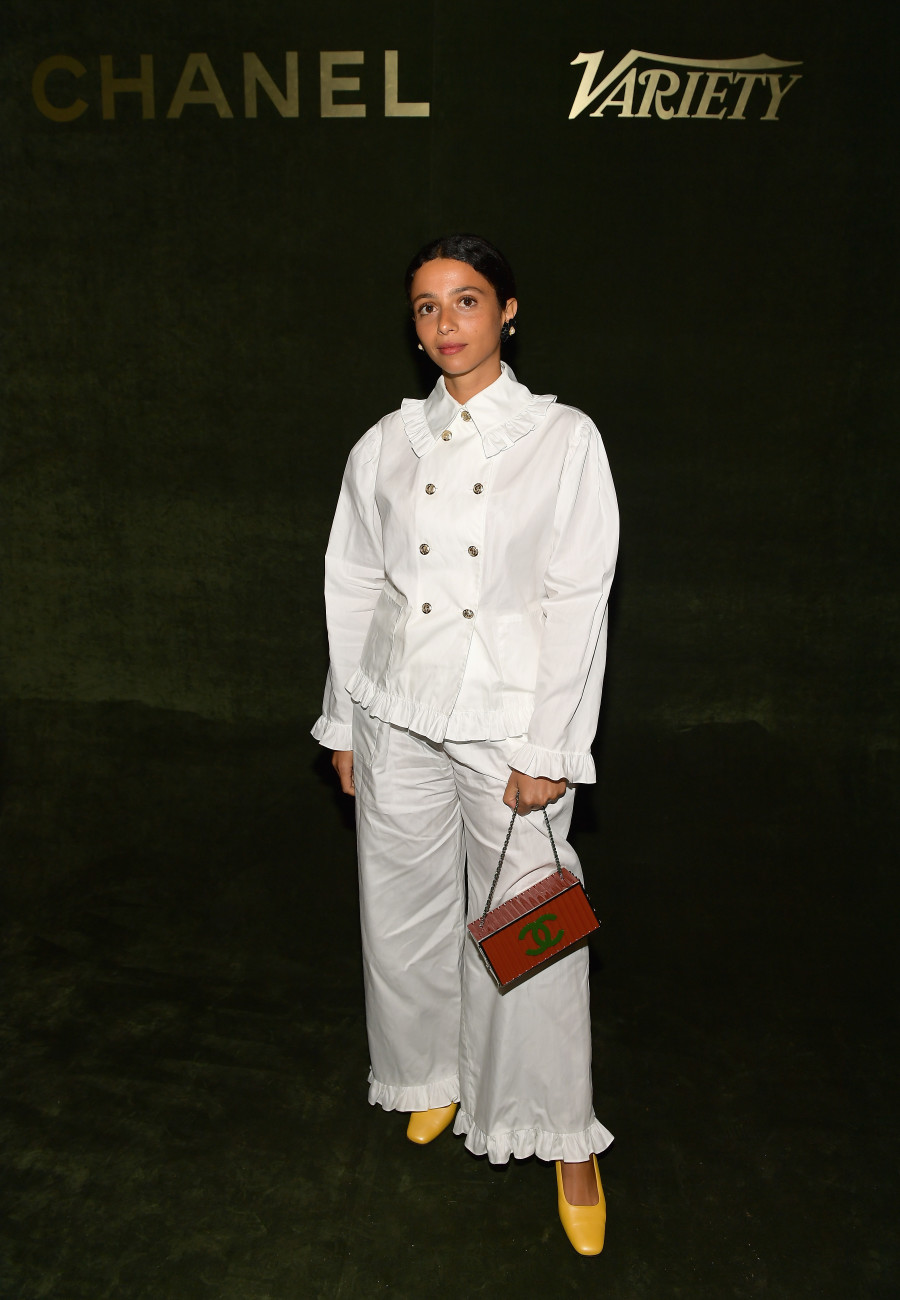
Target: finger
(509, 794)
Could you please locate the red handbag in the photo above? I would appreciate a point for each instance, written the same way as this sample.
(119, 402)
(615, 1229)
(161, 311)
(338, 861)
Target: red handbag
(533, 927)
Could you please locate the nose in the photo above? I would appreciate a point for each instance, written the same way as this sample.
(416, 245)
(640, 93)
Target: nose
(447, 325)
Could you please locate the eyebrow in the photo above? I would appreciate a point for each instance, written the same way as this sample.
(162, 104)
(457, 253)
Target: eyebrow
(463, 288)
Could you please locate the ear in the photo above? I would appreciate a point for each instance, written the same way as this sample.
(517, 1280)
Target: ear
(509, 311)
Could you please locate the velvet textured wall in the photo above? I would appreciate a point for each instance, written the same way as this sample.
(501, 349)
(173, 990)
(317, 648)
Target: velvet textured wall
(206, 312)
(203, 306)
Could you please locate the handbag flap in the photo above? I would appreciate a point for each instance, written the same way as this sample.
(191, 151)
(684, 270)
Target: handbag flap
(521, 904)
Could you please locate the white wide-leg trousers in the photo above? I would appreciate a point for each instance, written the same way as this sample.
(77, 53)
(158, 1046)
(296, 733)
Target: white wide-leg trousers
(519, 1063)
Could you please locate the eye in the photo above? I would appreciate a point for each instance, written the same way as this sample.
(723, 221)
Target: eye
(425, 309)
(468, 301)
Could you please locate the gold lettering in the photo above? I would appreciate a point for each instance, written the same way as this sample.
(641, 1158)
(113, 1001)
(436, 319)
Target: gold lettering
(771, 113)
(55, 63)
(622, 96)
(111, 86)
(213, 94)
(329, 83)
(392, 105)
(623, 101)
(749, 79)
(585, 96)
(288, 104)
(685, 106)
(651, 80)
(710, 93)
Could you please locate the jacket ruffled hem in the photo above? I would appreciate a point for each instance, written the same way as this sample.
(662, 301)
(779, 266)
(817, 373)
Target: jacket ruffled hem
(524, 1142)
(333, 735)
(423, 1096)
(425, 720)
(490, 724)
(577, 767)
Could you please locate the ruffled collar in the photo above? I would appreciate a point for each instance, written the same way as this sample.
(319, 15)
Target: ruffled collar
(502, 413)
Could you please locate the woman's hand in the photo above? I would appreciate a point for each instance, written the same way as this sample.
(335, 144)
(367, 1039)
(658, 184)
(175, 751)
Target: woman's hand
(534, 792)
(342, 762)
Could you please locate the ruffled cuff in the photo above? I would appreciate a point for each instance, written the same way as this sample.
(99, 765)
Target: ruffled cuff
(333, 735)
(422, 1096)
(524, 1142)
(577, 768)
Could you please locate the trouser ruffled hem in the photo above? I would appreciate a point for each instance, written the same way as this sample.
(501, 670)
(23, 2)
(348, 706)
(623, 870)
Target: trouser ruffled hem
(421, 1096)
(430, 823)
(524, 1142)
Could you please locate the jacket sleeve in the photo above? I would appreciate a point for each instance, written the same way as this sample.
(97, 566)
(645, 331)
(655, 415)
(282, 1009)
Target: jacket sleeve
(573, 642)
(354, 577)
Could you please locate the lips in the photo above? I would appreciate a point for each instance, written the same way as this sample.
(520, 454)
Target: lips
(450, 348)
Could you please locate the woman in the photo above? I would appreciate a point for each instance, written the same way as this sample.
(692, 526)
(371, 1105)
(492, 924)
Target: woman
(467, 580)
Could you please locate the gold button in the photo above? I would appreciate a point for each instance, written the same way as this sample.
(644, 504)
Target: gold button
(429, 488)
(477, 489)
(446, 435)
(424, 548)
(468, 613)
(466, 416)
(426, 608)
(473, 550)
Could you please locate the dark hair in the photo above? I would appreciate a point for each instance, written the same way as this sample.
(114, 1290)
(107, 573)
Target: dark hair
(477, 253)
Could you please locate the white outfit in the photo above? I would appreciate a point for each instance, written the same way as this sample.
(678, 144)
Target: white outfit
(467, 579)
(467, 576)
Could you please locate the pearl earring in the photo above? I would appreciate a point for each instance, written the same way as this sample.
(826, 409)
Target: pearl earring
(419, 346)
(512, 330)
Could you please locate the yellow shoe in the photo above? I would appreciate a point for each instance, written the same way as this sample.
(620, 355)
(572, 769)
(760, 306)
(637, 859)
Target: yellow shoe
(585, 1225)
(425, 1125)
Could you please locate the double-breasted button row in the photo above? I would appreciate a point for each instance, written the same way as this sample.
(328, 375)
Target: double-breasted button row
(477, 488)
(467, 613)
(425, 549)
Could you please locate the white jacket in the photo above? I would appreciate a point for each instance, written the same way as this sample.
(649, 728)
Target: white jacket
(468, 573)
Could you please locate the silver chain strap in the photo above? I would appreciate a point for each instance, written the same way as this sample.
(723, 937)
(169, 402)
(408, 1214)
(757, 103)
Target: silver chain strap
(487, 906)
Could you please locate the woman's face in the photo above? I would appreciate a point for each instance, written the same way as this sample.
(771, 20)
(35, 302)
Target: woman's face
(458, 318)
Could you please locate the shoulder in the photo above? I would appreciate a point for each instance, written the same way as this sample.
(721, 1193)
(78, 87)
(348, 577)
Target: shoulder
(584, 448)
(572, 425)
(367, 450)
(572, 419)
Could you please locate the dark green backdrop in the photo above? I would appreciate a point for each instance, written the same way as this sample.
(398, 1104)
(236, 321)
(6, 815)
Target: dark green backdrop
(203, 316)
(206, 314)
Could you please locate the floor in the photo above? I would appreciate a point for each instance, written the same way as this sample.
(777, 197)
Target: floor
(183, 1049)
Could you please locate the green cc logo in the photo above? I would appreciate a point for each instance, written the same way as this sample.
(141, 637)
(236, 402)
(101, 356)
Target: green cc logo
(540, 934)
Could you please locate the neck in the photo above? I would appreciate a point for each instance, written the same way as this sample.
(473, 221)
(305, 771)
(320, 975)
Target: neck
(464, 387)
